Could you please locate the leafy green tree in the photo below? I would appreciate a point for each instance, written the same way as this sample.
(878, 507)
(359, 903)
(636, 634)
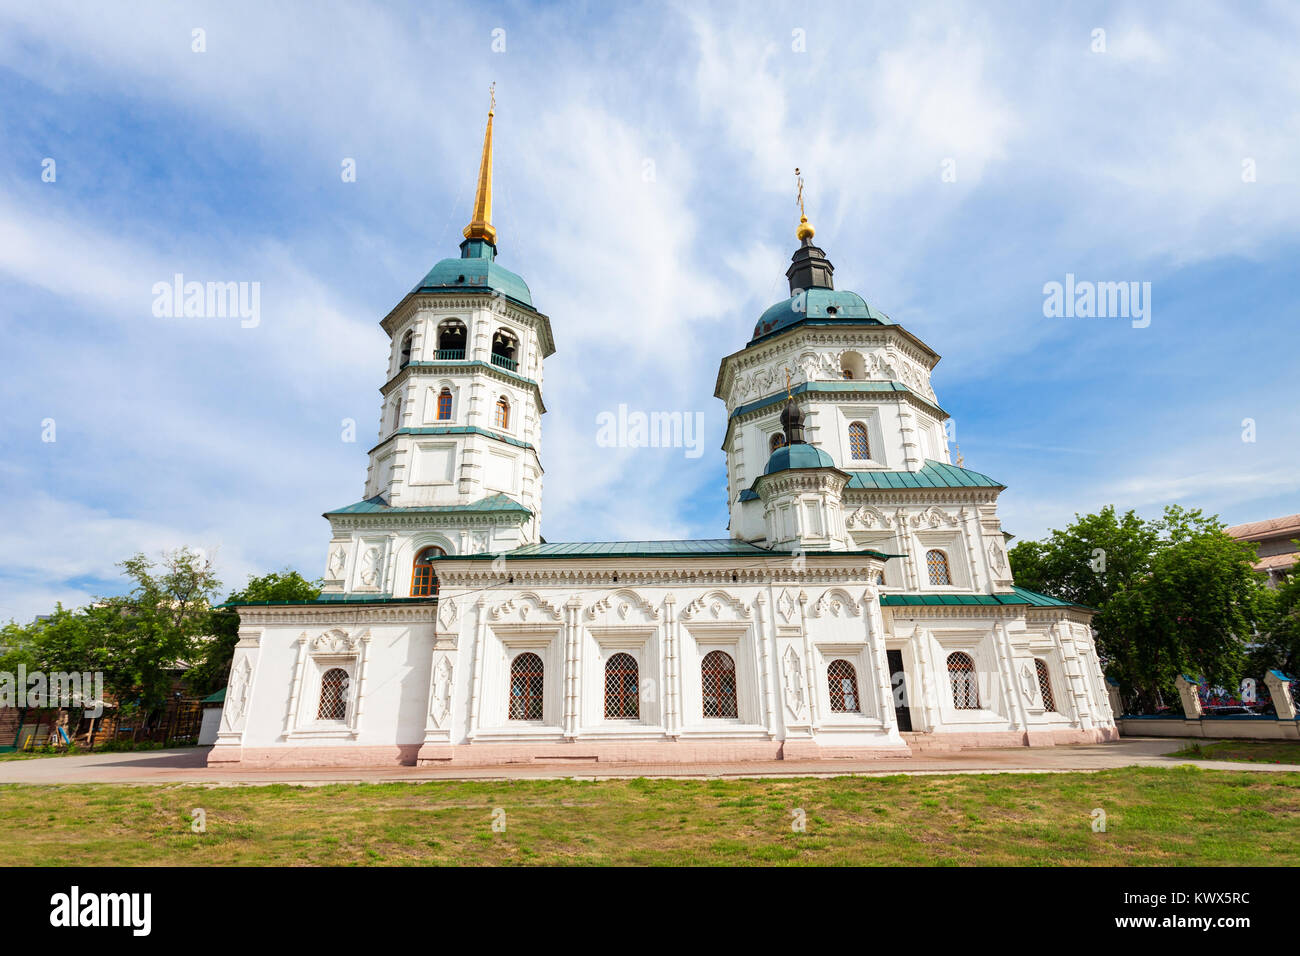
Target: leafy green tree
(1089, 561)
(1173, 595)
(143, 637)
(212, 669)
(1279, 639)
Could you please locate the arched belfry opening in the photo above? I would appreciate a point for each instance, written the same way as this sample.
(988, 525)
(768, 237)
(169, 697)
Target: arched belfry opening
(451, 339)
(505, 349)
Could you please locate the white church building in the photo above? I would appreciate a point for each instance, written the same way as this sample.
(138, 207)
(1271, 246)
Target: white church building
(862, 604)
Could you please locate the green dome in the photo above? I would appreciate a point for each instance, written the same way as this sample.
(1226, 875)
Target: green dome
(474, 271)
(822, 306)
(798, 456)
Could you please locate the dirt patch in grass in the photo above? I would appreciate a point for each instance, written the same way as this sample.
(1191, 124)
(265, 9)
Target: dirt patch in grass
(1252, 751)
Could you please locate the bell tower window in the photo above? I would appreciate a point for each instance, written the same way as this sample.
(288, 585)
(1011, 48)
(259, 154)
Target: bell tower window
(404, 358)
(451, 340)
(444, 405)
(505, 350)
(503, 413)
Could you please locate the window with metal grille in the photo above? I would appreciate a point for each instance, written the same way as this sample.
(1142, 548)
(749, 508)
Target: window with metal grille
(503, 412)
(859, 447)
(444, 405)
(1045, 684)
(333, 691)
(526, 688)
(718, 678)
(777, 441)
(621, 687)
(936, 562)
(424, 583)
(843, 681)
(965, 686)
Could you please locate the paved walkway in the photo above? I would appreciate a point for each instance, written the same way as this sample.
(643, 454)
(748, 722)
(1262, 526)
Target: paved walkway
(186, 766)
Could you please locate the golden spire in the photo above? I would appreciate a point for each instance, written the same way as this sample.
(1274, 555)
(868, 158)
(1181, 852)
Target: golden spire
(805, 231)
(480, 227)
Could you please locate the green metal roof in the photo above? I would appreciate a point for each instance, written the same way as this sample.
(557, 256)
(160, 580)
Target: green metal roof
(337, 598)
(218, 698)
(798, 456)
(817, 306)
(379, 505)
(469, 363)
(934, 474)
(1017, 597)
(475, 271)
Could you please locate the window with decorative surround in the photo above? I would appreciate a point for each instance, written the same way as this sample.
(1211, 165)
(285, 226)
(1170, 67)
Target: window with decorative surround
(936, 563)
(965, 685)
(444, 405)
(333, 695)
(718, 681)
(842, 678)
(622, 688)
(503, 413)
(526, 682)
(859, 446)
(1045, 685)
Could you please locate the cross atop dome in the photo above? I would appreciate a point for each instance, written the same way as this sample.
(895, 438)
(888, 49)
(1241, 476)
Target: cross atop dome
(809, 267)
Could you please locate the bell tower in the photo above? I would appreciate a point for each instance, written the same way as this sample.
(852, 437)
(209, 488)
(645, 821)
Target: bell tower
(457, 461)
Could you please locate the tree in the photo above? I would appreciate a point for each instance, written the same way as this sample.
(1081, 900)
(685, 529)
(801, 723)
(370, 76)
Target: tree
(1173, 595)
(213, 667)
(155, 628)
(1279, 638)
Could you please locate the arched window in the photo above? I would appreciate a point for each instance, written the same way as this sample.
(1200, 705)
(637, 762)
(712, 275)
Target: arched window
(852, 366)
(621, 688)
(778, 440)
(1045, 684)
(451, 340)
(859, 447)
(505, 349)
(405, 358)
(444, 405)
(424, 583)
(397, 413)
(333, 695)
(936, 562)
(718, 678)
(843, 681)
(965, 688)
(526, 688)
(503, 412)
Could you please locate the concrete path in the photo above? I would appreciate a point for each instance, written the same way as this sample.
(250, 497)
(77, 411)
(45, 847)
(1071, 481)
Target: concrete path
(186, 766)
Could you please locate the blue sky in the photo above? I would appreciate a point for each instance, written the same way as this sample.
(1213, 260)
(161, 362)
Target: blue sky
(1122, 165)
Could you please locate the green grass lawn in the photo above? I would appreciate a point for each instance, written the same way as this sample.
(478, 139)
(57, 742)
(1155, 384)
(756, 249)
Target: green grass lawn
(1155, 816)
(1255, 751)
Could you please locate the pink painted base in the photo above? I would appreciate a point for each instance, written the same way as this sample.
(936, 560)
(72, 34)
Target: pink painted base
(580, 753)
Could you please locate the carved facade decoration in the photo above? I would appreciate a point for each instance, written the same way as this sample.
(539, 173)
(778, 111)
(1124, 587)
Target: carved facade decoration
(792, 681)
